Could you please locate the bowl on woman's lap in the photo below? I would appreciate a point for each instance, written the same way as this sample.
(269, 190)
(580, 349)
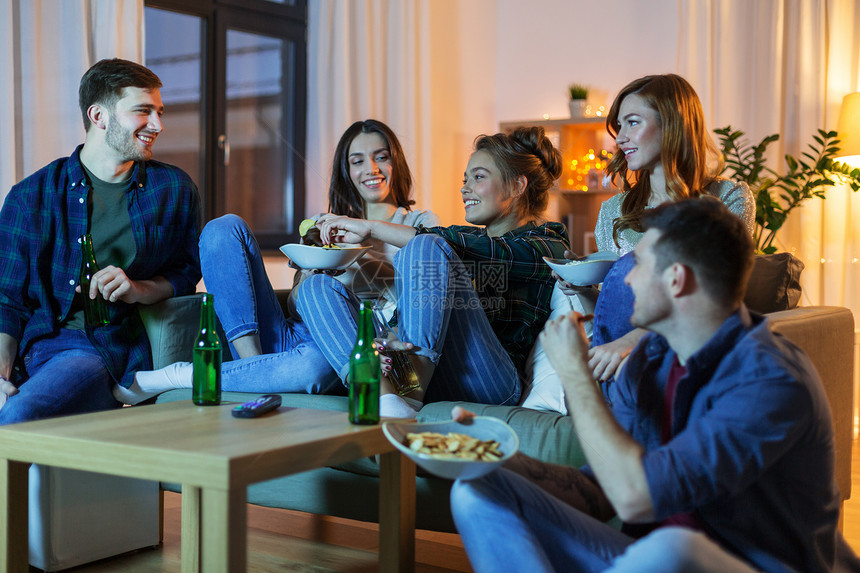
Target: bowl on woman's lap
(585, 271)
(325, 258)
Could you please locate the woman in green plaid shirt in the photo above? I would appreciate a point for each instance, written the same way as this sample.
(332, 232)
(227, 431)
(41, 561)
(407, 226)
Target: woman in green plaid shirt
(471, 299)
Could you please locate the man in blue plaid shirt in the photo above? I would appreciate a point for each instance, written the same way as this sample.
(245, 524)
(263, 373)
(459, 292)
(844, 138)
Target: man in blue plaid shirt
(143, 217)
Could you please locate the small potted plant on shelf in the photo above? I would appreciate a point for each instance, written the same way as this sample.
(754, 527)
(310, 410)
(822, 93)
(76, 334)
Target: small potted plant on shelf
(776, 195)
(578, 95)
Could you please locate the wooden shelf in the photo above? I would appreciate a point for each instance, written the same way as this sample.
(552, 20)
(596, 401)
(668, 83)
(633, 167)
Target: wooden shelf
(584, 122)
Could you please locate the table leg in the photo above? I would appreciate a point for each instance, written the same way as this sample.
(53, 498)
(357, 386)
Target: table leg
(14, 513)
(396, 513)
(190, 537)
(224, 531)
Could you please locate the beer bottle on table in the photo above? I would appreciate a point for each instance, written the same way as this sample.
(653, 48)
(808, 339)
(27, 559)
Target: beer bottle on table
(206, 381)
(95, 309)
(364, 371)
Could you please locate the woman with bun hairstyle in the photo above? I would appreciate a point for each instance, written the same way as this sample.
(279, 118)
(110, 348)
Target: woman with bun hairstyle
(370, 179)
(664, 153)
(471, 299)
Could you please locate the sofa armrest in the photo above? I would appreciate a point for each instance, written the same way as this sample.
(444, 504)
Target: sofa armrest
(826, 335)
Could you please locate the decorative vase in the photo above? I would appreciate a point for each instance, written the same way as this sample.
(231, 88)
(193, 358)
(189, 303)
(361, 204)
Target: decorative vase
(577, 108)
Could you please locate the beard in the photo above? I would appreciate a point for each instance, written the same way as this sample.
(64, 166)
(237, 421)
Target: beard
(124, 142)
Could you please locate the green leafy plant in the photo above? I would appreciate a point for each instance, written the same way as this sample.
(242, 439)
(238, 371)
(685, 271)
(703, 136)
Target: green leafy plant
(578, 91)
(777, 195)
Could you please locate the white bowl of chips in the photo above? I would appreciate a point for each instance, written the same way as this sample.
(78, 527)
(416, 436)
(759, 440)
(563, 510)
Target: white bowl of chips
(584, 271)
(455, 450)
(327, 258)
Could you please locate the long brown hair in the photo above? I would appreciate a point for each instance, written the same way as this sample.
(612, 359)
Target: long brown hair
(525, 152)
(343, 197)
(689, 156)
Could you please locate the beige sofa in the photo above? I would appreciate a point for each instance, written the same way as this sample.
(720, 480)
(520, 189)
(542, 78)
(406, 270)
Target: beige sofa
(825, 333)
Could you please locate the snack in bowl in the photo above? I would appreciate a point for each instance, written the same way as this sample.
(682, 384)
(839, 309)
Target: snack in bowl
(584, 271)
(453, 445)
(310, 233)
(462, 439)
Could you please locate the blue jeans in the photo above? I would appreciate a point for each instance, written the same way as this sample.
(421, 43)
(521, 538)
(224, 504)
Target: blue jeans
(438, 311)
(507, 523)
(65, 375)
(245, 303)
(614, 304)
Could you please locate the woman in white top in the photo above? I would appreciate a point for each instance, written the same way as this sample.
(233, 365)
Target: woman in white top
(664, 153)
(370, 180)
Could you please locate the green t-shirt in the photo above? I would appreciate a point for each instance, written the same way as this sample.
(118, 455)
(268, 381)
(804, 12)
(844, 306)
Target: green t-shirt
(110, 228)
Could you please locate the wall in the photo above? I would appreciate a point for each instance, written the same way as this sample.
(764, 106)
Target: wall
(544, 45)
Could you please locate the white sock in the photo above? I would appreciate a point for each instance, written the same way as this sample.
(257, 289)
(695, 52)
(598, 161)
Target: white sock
(394, 406)
(149, 383)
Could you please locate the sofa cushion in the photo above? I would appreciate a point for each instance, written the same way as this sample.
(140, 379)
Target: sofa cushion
(171, 326)
(542, 389)
(774, 284)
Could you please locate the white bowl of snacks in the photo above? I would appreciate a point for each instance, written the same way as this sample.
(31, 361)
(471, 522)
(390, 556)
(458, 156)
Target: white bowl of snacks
(584, 271)
(455, 450)
(334, 257)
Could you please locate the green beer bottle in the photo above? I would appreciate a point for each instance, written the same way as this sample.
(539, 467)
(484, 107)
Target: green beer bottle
(364, 371)
(95, 309)
(206, 381)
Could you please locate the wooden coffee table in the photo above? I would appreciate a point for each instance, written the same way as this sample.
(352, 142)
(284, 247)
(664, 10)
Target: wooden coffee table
(215, 457)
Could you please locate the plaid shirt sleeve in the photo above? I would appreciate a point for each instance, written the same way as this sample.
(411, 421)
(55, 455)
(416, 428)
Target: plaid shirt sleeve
(14, 268)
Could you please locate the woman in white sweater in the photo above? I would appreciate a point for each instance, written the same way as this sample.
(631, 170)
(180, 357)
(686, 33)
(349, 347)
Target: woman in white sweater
(664, 153)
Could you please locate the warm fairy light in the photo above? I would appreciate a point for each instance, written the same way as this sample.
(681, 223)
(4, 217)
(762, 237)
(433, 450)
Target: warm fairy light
(592, 111)
(585, 171)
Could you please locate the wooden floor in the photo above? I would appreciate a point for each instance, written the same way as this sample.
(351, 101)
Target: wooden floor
(280, 540)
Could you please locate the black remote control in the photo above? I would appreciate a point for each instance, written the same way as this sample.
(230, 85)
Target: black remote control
(257, 407)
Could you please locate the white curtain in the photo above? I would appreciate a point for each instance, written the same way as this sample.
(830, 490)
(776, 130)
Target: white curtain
(47, 47)
(363, 62)
(783, 66)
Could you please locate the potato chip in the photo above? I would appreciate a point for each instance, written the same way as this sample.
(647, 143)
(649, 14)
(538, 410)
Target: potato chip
(454, 445)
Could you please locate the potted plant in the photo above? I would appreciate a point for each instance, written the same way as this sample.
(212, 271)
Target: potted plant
(578, 95)
(777, 195)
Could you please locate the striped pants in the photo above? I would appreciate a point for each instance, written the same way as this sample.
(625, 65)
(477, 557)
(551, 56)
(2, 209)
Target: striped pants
(438, 311)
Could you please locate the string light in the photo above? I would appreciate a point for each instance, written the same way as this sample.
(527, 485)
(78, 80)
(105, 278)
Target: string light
(585, 171)
(595, 111)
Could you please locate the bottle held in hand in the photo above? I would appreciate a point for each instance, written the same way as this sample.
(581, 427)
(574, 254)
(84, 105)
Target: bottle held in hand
(206, 380)
(402, 375)
(95, 309)
(364, 371)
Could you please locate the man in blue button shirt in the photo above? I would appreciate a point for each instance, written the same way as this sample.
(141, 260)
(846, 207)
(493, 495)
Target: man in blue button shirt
(716, 448)
(143, 217)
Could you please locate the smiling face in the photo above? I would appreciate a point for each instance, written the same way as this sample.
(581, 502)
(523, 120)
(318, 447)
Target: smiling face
(134, 123)
(488, 200)
(640, 135)
(370, 167)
